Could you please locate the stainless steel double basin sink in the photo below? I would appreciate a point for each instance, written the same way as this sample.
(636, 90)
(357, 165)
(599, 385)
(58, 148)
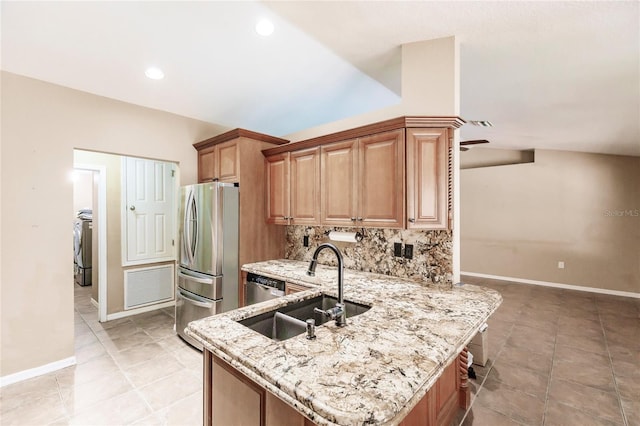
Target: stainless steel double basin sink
(289, 321)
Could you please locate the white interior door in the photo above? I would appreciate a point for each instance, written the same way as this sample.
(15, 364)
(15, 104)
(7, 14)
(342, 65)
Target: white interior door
(150, 211)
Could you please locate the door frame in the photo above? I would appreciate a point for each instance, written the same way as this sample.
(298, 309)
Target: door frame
(102, 235)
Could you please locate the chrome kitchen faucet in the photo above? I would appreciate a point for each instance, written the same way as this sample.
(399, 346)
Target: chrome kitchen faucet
(338, 312)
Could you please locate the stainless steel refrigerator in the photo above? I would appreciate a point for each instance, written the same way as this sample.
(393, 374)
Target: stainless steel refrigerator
(208, 266)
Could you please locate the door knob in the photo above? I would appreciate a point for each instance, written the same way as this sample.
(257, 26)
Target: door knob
(132, 208)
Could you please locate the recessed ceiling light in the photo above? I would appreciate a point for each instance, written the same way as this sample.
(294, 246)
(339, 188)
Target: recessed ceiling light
(154, 73)
(264, 27)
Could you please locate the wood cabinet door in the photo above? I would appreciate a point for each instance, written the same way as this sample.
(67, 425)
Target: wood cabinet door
(305, 187)
(206, 165)
(236, 400)
(228, 162)
(427, 179)
(277, 181)
(381, 165)
(339, 183)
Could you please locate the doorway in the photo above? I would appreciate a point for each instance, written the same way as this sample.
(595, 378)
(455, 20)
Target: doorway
(90, 253)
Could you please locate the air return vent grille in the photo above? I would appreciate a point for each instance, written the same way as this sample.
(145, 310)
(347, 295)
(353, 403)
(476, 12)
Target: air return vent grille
(144, 286)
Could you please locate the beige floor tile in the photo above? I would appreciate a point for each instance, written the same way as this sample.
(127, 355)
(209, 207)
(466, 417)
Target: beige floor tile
(116, 332)
(584, 367)
(172, 343)
(512, 403)
(85, 339)
(534, 339)
(19, 394)
(122, 409)
(89, 371)
(89, 352)
(153, 319)
(527, 359)
(185, 412)
(157, 368)
(129, 341)
(160, 332)
(137, 355)
(589, 344)
(152, 420)
(83, 395)
(526, 380)
(563, 415)
(631, 409)
(591, 401)
(189, 357)
(164, 392)
(628, 387)
(35, 410)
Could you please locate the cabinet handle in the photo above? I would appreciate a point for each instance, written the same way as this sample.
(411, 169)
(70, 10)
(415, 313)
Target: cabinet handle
(353, 219)
(412, 220)
(360, 219)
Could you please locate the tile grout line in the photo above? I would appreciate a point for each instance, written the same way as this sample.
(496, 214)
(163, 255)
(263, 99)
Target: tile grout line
(553, 361)
(613, 372)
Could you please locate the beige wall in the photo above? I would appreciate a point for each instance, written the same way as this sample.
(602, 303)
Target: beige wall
(583, 209)
(41, 125)
(430, 86)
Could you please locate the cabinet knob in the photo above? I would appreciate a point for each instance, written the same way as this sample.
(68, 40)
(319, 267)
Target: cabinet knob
(412, 220)
(353, 219)
(360, 219)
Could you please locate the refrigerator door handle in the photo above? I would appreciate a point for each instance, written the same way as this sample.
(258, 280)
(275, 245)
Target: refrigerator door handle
(195, 300)
(195, 279)
(188, 227)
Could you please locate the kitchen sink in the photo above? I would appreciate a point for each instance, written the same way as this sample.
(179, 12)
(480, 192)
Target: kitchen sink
(289, 321)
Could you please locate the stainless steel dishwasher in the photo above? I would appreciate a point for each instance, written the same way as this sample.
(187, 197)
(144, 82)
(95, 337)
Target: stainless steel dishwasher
(259, 288)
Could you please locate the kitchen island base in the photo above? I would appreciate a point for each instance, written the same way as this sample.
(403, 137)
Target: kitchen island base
(232, 398)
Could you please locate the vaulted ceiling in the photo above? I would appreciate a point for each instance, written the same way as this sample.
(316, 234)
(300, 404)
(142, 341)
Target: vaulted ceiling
(551, 75)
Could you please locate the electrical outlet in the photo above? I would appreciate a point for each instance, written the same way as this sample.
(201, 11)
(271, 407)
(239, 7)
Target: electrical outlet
(397, 249)
(560, 265)
(408, 251)
(305, 241)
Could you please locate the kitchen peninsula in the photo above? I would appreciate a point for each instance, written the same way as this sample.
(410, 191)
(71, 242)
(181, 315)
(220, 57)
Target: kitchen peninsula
(403, 360)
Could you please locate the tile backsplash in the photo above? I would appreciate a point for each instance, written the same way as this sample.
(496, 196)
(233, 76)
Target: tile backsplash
(432, 251)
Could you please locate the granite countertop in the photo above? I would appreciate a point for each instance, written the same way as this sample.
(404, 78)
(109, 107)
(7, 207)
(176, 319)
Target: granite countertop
(374, 370)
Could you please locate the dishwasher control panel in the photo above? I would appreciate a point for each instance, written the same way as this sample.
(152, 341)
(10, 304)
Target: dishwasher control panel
(265, 281)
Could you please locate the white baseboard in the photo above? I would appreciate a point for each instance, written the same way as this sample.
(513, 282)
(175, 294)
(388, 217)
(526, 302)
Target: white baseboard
(556, 285)
(141, 310)
(95, 303)
(37, 371)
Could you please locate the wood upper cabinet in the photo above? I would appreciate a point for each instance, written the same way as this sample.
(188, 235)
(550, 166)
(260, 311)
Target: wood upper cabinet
(395, 173)
(277, 179)
(339, 183)
(363, 181)
(428, 182)
(381, 168)
(293, 183)
(219, 162)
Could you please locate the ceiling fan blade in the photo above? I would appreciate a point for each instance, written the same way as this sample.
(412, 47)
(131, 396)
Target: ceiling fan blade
(473, 142)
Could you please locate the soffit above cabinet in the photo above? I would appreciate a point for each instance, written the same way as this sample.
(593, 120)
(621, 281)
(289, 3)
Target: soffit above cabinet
(369, 129)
